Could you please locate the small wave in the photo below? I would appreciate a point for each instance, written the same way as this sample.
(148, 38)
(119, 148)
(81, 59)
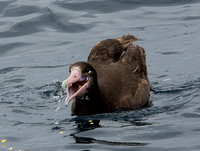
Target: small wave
(8, 69)
(116, 5)
(19, 111)
(50, 90)
(130, 116)
(176, 88)
(10, 46)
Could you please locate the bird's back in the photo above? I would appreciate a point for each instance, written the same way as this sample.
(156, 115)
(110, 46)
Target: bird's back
(121, 72)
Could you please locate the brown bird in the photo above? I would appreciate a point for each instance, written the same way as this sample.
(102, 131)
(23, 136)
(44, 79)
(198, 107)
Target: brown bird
(114, 77)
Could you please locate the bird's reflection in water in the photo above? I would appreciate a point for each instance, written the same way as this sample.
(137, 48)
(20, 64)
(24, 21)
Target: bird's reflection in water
(91, 124)
(87, 124)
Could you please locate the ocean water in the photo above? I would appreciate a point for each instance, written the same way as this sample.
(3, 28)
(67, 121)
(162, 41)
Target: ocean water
(40, 39)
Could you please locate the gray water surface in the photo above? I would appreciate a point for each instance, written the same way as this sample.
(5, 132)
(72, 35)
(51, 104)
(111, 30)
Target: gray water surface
(39, 40)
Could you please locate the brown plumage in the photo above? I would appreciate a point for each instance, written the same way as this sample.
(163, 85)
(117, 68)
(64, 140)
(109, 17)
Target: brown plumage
(114, 77)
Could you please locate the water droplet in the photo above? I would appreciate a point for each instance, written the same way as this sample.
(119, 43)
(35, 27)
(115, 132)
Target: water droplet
(58, 98)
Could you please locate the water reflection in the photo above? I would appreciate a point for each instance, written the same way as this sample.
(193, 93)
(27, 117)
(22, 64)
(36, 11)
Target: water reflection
(88, 140)
(84, 125)
(87, 125)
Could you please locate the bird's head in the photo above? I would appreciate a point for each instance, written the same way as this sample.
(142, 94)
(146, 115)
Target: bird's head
(81, 79)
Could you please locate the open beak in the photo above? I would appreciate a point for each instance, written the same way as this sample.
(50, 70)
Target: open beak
(74, 85)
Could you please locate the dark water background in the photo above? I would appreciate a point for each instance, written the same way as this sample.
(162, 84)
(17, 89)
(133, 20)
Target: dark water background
(39, 39)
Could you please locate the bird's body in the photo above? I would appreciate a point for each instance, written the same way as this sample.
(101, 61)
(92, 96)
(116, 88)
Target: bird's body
(117, 78)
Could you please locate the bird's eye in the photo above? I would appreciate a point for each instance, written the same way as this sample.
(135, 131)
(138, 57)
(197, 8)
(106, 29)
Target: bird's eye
(87, 70)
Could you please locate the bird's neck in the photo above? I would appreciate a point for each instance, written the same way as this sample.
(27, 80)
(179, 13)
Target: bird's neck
(91, 103)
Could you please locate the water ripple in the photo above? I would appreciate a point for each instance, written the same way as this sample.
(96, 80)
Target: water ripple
(115, 5)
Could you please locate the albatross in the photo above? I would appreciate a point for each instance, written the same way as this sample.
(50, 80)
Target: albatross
(113, 78)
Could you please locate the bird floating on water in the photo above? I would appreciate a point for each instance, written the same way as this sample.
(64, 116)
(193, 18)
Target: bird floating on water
(114, 77)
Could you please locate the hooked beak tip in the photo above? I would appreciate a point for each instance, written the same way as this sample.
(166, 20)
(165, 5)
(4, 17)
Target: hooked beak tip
(67, 102)
(63, 86)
